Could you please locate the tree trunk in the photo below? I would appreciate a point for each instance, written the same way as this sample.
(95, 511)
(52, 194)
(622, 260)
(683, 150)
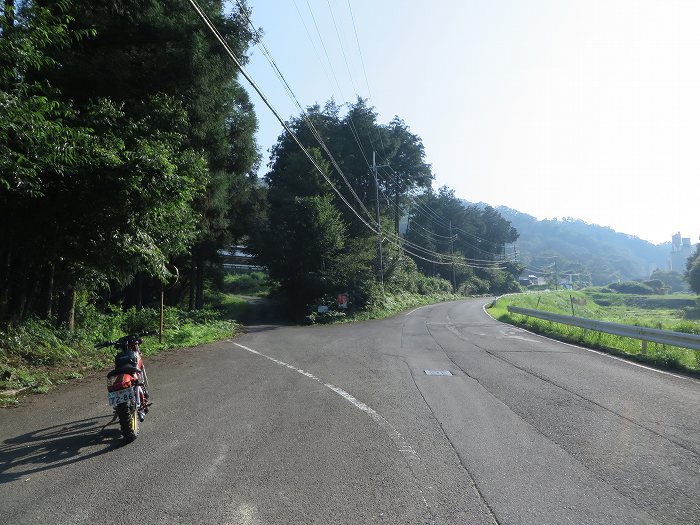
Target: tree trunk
(32, 290)
(193, 282)
(397, 210)
(5, 265)
(18, 299)
(139, 291)
(199, 298)
(47, 292)
(66, 311)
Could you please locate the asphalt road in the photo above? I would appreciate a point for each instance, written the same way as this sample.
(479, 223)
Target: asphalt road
(341, 424)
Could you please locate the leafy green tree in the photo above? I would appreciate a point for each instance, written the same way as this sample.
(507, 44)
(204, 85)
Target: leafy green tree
(657, 285)
(631, 287)
(127, 139)
(143, 49)
(475, 234)
(692, 274)
(303, 246)
(39, 141)
(409, 171)
(672, 280)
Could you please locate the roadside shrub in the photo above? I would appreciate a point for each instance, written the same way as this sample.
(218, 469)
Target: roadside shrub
(330, 316)
(631, 287)
(474, 286)
(431, 285)
(249, 283)
(366, 294)
(206, 315)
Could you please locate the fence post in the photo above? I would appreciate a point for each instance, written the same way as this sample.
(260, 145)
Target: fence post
(644, 347)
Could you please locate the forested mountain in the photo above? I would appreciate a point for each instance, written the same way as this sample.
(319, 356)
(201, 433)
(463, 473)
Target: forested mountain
(595, 254)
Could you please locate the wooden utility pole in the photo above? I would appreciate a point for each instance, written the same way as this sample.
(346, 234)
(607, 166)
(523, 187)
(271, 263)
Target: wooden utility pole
(379, 222)
(454, 279)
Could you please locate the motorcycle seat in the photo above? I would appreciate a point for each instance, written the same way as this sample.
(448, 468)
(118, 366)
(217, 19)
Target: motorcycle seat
(125, 370)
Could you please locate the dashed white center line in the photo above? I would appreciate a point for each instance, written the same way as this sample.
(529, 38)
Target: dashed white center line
(399, 441)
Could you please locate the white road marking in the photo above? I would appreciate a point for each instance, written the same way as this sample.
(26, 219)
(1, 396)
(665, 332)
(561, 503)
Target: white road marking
(407, 451)
(605, 354)
(416, 309)
(399, 441)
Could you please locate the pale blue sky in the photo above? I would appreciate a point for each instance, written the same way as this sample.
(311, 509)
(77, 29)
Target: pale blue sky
(587, 108)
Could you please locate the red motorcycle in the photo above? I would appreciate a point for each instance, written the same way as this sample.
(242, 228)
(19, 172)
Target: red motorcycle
(127, 384)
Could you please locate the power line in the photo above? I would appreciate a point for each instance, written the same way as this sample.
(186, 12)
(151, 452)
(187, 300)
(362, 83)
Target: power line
(305, 116)
(342, 48)
(390, 238)
(250, 80)
(313, 44)
(359, 49)
(318, 31)
(353, 128)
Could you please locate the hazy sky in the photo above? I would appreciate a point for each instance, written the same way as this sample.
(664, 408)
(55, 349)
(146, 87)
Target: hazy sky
(587, 108)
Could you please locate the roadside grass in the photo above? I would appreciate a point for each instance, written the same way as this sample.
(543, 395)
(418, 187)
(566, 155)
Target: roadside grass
(650, 311)
(231, 306)
(35, 356)
(255, 283)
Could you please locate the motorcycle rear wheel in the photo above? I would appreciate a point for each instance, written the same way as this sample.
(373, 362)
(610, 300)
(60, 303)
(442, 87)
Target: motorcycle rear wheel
(129, 422)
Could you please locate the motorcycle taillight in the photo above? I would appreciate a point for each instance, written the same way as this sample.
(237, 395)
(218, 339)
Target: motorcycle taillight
(119, 382)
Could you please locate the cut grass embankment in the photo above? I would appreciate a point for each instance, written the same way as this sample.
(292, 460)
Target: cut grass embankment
(35, 355)
(662, 312)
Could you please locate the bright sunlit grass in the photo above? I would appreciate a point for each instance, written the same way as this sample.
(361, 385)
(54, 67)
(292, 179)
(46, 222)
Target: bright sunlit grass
(622, 309)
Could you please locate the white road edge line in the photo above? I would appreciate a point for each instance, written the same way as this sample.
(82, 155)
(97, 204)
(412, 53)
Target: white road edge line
(399, 441)
(416, 309)
(605, 354)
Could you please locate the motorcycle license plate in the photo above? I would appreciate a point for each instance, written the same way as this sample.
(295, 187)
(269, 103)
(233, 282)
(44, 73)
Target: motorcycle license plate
(120, 396)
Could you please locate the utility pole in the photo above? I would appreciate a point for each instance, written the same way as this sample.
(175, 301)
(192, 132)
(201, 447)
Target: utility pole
(379, 222)
(454, 280)
(556, 274)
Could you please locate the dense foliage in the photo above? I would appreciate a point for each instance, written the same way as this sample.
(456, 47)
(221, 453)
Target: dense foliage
(126, 145)
(692, 273)
(127, 161)
(321, 237)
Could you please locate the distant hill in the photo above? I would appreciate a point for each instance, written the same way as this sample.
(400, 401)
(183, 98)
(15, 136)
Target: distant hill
(594, 254)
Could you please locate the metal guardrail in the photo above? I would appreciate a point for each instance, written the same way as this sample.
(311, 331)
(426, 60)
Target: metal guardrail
(654, 335)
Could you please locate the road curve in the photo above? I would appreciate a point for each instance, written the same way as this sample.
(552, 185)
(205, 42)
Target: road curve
(341, 424)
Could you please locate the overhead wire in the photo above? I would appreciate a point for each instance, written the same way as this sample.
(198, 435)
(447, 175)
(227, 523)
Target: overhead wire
(313, 44)
(250, 80)
(342, 48)
(303, 112)
(442, 258)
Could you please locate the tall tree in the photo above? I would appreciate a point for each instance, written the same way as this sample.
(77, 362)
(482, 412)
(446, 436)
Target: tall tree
(408, 170)
(692, 273)
(154, 47)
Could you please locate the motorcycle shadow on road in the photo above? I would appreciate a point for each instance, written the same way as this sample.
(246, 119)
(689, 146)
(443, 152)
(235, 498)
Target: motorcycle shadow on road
(56, 446)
